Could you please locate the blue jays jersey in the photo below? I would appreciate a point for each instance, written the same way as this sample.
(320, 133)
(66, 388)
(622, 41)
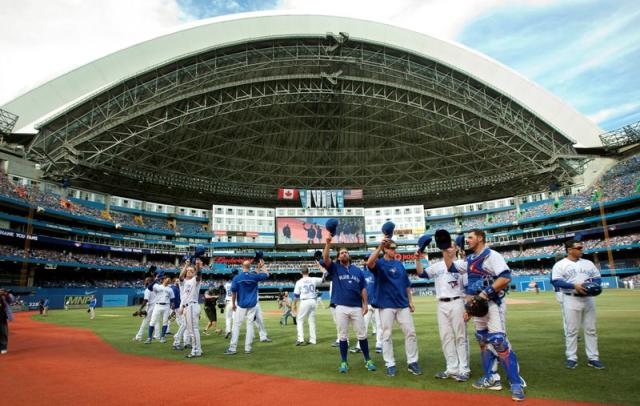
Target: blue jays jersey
(245, 286)
(176, 295)
(371, 284)
(483, 269)
(93, 303)
(346, 284)
(391, 284)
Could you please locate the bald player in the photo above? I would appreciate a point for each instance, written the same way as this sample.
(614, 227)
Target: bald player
(244, 290)
(304, 305)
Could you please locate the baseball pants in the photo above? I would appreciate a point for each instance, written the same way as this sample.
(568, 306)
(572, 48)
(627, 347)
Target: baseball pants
(262, 331)
(228, 317)
(182, 335)
(92, 313)
(560, 299)
(453, 336)
(160, 316)
(192, 319)
(4, 333)
(373, 317)
(405, 320)
(346, 315)
(242, 314)
(144, 324)
(581, 311)
(333, 316)
(307, 310)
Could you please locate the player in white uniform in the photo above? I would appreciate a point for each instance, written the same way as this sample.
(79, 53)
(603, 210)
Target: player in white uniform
(148, 301)
(163, 306)
(182, 338)
(569, 274)
(451, 324)
(304, 305)
(191, 279)
(228, 306)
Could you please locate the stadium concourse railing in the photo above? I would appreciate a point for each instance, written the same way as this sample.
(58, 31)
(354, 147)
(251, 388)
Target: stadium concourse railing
(226, 270)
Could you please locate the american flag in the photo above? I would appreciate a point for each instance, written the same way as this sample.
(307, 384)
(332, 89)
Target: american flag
(353, 194)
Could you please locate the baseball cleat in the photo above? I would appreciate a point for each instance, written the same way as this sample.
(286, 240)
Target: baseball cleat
(414, 368)
(266, 340)
(523, 382)
(571, 364)
(136, 339)
(227, 335)
(193, 355)
(378, 350)
(343, 368)
(461, 377)
(187, 346)
(443, 375)
(248, 351)
(487, 383)
(391, 371)
(594, 363)
(176, 347)
(299, 343)
(517, 393)
(355, 350)
(230, 352)
(311, 342)
(162, 340)
(205, 332)
(3, 352)
(370, 365)
(148, 341)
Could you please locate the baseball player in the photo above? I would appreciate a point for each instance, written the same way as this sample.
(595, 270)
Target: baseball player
(349, 294)
(373, 316)
(228, 305)
(451, 323)
(92, 307)
(244, 299)
(148, 301)
(181, 337)
(569, 275)
(488, 276)
(394, 300)
(304, 305)
(162, 309)
(191, 278)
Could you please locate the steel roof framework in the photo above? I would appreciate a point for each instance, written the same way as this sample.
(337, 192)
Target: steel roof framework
(236, 123)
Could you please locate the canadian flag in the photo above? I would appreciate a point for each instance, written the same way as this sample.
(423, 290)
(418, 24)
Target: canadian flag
(288, 194)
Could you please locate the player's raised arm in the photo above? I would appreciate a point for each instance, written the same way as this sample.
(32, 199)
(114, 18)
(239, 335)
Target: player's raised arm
(419, 266)
(371, 262)
(183, 272)
(326, 251)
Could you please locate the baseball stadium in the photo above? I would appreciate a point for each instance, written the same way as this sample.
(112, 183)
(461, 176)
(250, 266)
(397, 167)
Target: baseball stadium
(236, 148)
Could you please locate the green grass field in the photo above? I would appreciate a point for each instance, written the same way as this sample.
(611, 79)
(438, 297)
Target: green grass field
(535, 331)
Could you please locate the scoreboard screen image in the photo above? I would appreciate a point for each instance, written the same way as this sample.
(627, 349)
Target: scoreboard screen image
(311, 231)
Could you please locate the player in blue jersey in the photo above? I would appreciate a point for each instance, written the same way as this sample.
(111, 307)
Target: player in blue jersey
(394, 300)
(488, 276)
(92, 307)
(244, 298)
(349, 294)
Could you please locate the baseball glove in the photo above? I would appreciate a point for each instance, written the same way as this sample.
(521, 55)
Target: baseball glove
(172, 316)
(140, 313)
(477, 306)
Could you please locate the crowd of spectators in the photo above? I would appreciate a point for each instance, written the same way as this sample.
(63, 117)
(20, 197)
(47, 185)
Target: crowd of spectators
(40, 199)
